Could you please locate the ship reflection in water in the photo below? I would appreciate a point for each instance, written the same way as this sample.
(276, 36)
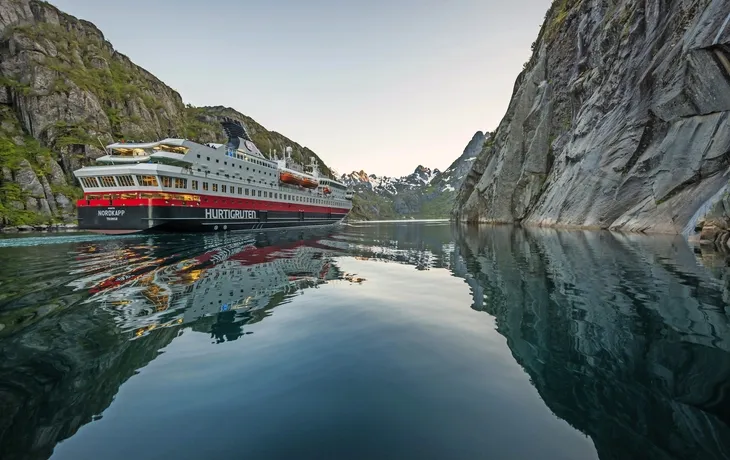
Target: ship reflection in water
(237, 282)
(577, 345)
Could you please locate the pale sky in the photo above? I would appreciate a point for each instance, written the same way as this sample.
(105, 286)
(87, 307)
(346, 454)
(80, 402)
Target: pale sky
(379, 85)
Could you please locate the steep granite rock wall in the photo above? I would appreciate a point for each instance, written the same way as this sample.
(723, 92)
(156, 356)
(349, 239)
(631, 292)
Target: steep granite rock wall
(621, 119)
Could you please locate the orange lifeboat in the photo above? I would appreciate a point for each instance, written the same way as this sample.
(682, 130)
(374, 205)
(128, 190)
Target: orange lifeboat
(309, 183)
(290, 178)
(326, 190)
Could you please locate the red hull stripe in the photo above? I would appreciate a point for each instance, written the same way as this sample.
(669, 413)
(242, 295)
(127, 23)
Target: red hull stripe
(212, 201)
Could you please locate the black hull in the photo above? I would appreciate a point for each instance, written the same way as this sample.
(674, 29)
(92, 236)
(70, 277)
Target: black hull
(159, 219)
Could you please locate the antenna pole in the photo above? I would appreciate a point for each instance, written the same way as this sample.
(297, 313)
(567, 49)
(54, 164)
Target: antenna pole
(103, 147)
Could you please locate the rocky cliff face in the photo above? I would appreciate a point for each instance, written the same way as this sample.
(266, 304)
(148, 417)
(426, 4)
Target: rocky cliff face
(425, 193)
(65, 93)
(620, 120)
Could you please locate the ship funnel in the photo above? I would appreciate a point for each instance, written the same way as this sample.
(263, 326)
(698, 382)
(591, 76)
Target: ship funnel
(235, 131)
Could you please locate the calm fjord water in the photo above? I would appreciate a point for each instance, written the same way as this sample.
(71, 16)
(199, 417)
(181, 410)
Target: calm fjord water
(389, 340)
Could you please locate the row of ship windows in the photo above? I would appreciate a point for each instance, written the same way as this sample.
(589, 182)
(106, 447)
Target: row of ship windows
(182, 183)
(239, 167)
(241, 157)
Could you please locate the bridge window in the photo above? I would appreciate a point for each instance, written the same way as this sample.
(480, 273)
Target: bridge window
(246, 192)
(240, 190)
(108, 181)
(195, 185)
(125, 181)
(224, 189)
(215, 187)
(166, 181)
(181, 183)
(89, 182)
(259, 193)
(205, 186)
(147, 181)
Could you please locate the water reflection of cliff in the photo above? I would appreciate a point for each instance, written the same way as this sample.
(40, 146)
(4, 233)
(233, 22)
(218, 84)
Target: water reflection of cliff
(59, 373)
(626, 338)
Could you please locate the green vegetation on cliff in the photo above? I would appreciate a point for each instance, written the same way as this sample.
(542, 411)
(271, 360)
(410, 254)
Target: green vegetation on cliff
(368, 205)
(21, 159)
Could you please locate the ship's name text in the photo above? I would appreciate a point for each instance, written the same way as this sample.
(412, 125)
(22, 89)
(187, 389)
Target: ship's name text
(229, 214)
(111, 214)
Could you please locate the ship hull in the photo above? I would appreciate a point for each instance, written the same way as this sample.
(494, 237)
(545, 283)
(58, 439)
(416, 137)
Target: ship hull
(151, 219)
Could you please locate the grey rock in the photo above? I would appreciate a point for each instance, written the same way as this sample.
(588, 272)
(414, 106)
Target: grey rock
(44, 207)
(57, 177)
(7, 174)
(9, 229)
(63, 202)
(620, 121)
(49, 198)
(25, 228)
(28, 181)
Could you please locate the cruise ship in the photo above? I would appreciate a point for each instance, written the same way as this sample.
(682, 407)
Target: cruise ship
(177, 185)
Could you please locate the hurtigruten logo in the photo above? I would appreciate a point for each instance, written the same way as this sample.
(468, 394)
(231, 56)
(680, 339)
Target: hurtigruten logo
(229, 214)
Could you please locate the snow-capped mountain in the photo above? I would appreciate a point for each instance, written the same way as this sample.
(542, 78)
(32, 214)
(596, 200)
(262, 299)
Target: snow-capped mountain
(421, 177)
(425, 192)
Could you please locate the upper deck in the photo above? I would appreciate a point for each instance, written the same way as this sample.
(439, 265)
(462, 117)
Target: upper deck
(195, 171)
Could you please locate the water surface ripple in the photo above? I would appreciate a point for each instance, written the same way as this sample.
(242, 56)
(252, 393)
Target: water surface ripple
(380, 340)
